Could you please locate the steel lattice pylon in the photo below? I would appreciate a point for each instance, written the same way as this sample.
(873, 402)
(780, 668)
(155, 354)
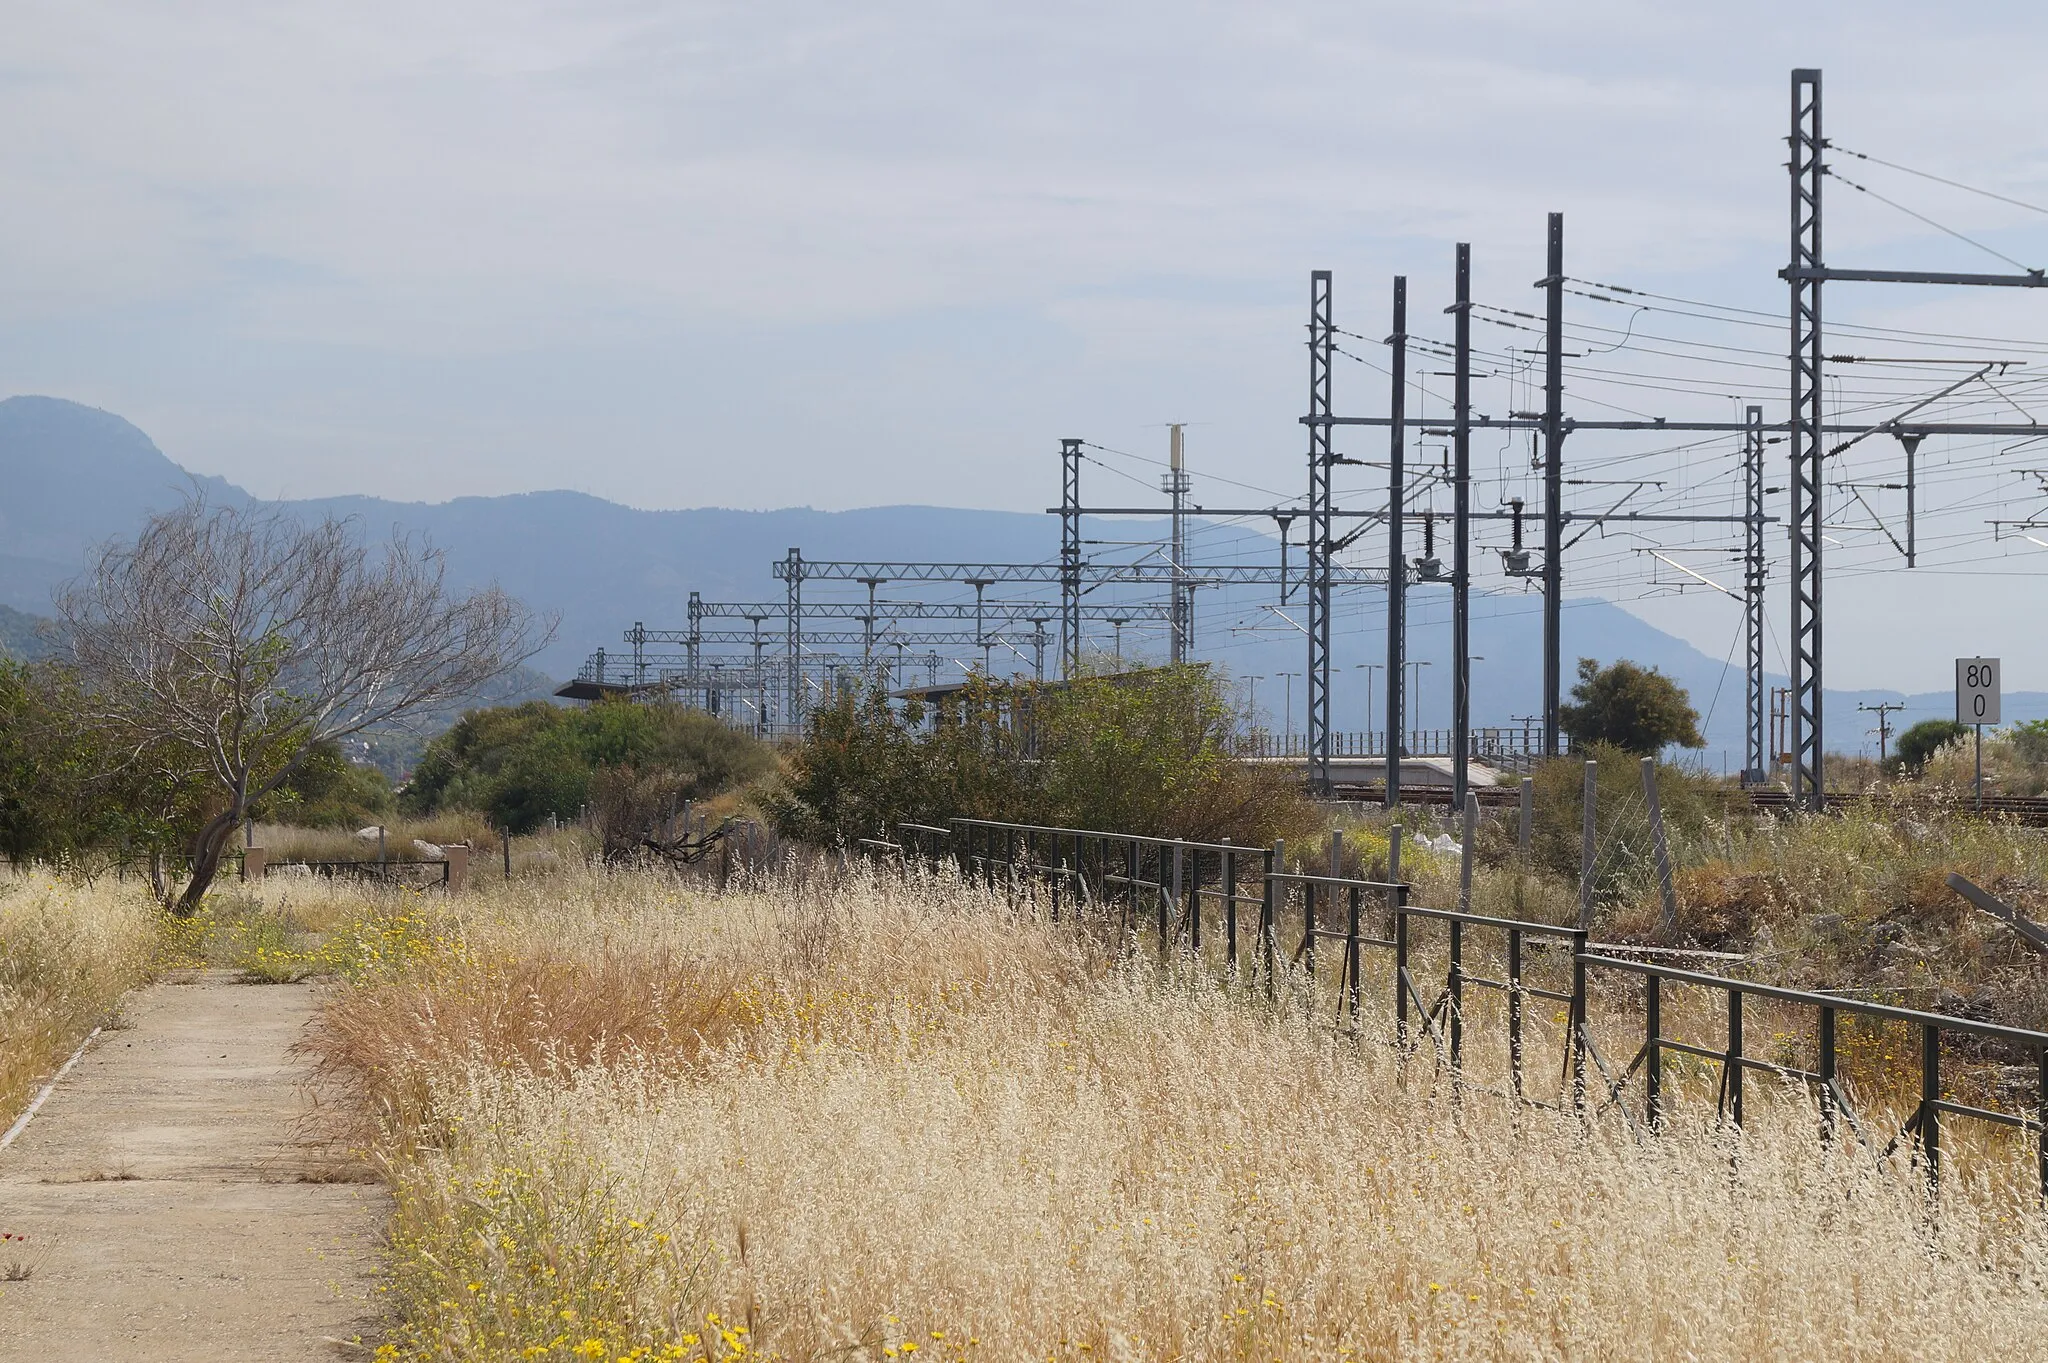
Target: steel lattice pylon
(1807, 451)
(1321, 342)
(1756, 761)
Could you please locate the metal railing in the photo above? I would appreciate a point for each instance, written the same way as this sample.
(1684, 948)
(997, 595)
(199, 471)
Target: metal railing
(421, 874)
(1516, 748)
(1193, 897)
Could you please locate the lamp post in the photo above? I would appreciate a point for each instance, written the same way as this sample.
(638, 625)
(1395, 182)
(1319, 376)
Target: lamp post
(1411, 709)
(1369, 669)
(1287, 724)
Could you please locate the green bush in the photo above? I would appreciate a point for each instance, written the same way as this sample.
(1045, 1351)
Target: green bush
(1693, 805)
(328, 791)
(520, 764)
(1639, 710)
(1922, 741)
(1153, 753)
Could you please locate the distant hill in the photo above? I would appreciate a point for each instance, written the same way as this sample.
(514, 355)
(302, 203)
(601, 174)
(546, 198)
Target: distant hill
(74, 476)
(23, 637)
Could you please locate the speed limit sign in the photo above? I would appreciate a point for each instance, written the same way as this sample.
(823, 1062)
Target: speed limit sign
(1977, 691)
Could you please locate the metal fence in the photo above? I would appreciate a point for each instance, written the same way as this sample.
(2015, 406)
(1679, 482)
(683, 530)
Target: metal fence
(1506, 747)
(1244, 907)
(413, 874)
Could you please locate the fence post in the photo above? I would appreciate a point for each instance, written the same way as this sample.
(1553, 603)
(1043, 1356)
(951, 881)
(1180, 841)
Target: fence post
(1731, 1066)
(1577, 1020)
(1653, 1053)
(1454, 988)
(1528, 813)
(1586, 845)
(1059, 872)
(1827, 1075)
(2041, 1118)
(1930, 1095)
(1465, 853)
(253, 860)
(1230, 904)
(1401, 969)
(1515, 1011)
(1276, 862)
(1168, 928)
(1668, 922)
(1356, 895)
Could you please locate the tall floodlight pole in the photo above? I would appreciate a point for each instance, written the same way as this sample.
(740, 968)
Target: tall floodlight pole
(1397, 562)
(1461, 516)
(1177, 486)
(1321, 345)
(867, 643)
(1070, 559)
(1553, 483)
(1807, 452)
(1754, 568)
(638, 637)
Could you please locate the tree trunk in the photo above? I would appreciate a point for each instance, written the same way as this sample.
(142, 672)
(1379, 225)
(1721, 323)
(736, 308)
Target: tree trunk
(207, 846)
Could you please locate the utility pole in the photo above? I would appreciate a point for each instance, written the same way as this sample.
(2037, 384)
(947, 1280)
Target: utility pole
(1755, 567)
(1321, 348)
(1070, 558)
(1461, 515)
(1553, 483)
(1397, 562)
(1883, 710)
(1175, 484)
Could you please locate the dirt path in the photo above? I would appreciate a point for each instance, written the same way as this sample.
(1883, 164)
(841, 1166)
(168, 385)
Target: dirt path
(175, 1210)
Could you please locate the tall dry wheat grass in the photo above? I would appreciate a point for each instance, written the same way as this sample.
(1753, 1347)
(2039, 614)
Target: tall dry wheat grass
(884, 1122)
(68, 950)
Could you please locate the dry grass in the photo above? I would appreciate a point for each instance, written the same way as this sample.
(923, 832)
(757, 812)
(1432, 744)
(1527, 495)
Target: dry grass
(877, 1122)
(68, 950)
(287, 842)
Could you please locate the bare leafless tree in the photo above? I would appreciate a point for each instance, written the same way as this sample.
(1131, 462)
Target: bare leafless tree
(230, 641)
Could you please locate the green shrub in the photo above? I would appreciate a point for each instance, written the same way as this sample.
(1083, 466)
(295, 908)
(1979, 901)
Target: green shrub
(1153, 753)
(1637, 709)
(1694, 807)
(1922, 741)
(520, 764)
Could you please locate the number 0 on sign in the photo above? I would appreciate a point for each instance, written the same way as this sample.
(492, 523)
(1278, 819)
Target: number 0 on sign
(1977, 691)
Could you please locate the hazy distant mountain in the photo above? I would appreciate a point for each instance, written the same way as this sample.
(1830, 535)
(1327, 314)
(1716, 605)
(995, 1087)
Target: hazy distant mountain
(71, 476)
(23, 637)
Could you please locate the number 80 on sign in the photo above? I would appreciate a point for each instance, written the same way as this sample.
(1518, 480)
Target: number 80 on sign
(1977, 691)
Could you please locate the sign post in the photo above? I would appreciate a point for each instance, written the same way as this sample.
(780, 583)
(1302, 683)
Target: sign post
(1977, 699)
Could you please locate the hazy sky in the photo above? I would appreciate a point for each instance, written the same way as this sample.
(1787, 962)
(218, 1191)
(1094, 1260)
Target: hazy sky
(839, 255)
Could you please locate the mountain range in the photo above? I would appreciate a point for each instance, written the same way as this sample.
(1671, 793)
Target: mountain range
(72, 476)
